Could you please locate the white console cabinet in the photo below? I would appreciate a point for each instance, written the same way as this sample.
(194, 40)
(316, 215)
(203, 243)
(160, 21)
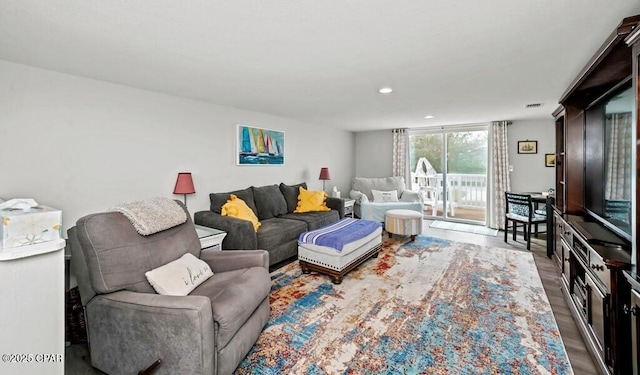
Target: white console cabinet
(32, 314)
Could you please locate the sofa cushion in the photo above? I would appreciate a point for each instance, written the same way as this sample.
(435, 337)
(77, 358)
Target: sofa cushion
(316, 219)
(179, 277)
(384, 196)
(236, 207)
(276, 231)
(219, 199)
(310, 201)
(366, 184)
(290, 193)
(234, 296)
(269, 201)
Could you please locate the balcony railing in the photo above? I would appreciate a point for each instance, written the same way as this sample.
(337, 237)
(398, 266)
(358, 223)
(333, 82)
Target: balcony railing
(463, 190)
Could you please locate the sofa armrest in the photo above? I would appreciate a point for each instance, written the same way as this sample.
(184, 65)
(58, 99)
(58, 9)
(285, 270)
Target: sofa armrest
(240, 233)
(140, 328)
(229, 260)
(337, 205)
(358, 196)
(410, 196)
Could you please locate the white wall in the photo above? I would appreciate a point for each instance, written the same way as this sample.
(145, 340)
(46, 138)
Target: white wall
(83, 145)
(529, 171)
(374, 153)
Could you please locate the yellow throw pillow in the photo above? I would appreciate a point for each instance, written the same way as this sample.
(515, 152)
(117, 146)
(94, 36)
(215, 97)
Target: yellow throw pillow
(311, 201)
(236, 207)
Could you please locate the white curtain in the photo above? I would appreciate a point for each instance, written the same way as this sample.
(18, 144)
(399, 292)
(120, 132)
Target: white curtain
(499, 179)
(400, 164)
(619, 145)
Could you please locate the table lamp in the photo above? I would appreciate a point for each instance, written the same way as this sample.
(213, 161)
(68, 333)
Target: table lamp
(324, 176)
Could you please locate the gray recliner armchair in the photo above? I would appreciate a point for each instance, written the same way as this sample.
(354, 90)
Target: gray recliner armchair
(130, 326)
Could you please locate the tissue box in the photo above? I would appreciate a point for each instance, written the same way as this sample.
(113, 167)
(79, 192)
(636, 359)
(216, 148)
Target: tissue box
(20, 228)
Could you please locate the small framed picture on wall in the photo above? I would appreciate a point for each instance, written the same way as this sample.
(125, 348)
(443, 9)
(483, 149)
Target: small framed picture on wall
(549, 160)
(527, 147)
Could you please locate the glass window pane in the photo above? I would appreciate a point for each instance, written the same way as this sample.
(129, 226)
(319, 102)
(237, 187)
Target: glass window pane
(451, 179)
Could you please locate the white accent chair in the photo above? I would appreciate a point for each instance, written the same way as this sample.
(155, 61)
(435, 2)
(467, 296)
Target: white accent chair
(368, 209)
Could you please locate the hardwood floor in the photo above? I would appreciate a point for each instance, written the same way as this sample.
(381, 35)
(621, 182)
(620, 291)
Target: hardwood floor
(461, 213)
(78, 362)
(579, 356)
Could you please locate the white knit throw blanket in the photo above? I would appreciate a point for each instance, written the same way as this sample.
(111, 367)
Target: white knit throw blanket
(152, 215)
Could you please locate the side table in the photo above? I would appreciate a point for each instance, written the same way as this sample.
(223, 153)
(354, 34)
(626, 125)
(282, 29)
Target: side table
(210, 238)
(348, 207)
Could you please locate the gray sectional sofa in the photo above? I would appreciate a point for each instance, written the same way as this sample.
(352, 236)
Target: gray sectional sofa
(274, 206)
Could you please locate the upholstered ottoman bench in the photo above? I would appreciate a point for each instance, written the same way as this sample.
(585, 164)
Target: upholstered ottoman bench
(339, 247)
(403, 222)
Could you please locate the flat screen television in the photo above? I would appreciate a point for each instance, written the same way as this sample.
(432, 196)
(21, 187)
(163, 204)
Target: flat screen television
(608, 159)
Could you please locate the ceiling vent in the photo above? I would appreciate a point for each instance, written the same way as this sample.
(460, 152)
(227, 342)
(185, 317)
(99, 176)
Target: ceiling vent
(533, 105)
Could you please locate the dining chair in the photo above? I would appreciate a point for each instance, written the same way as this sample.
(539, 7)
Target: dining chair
(519, 209)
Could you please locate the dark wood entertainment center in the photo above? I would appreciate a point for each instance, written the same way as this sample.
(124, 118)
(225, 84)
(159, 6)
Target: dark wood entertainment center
(595, 250)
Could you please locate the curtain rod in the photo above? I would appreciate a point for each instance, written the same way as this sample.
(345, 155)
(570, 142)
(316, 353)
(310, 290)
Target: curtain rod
(443, 127)
(452, 127)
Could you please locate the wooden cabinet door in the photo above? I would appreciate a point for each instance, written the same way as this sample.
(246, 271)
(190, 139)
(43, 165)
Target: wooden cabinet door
(635, 333)
(558, 226)
(566, 263)
(597, 305)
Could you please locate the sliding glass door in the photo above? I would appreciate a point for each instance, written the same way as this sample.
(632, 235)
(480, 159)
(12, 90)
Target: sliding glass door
(449, 169)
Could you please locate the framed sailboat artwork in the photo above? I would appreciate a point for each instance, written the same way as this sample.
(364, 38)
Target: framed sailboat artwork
(259, 146)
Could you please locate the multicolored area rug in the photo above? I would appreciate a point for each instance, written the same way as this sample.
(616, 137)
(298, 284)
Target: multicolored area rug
(427, 307)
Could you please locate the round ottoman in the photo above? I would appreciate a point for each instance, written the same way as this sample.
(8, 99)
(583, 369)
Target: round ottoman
(404, 222)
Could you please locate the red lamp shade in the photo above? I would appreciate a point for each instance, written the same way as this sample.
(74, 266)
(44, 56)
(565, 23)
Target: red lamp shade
(184, 185)
(324, 174)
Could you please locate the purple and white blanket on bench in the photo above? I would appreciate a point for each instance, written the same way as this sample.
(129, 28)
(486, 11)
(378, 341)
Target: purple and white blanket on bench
(340, 233)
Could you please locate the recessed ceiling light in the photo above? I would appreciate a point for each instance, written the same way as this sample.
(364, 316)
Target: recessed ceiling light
(429, 116)
(385, 90)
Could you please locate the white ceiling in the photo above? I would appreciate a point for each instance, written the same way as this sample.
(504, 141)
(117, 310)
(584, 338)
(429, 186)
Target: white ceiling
(322, 61)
